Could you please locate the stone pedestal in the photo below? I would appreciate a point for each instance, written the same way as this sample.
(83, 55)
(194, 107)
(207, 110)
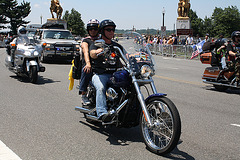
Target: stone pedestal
(183, 23)
(183, 26)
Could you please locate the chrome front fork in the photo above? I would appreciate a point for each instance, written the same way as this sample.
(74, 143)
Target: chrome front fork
(141, 98)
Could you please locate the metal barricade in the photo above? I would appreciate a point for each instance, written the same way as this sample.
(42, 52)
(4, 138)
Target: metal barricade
(178, 51)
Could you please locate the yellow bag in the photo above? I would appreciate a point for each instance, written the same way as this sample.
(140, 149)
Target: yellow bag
(71, 78)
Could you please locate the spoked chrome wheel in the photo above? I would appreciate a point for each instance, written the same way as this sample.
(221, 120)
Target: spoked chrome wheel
(163, 137)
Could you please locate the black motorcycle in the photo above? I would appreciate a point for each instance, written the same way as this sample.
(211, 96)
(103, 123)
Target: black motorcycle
(157, 115)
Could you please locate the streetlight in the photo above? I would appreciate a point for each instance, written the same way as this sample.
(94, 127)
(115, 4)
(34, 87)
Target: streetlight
(41, 19)
(163, 28)
(163, 12)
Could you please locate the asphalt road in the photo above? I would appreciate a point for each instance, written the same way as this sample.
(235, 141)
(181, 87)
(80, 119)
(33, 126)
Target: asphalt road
(38, 121)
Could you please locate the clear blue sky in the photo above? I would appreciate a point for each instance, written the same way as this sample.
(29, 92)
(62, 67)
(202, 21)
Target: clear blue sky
(141, 14)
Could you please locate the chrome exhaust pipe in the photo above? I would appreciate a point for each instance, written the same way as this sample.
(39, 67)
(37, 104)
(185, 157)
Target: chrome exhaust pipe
(82, 110)
(220, 84)
(94, 118)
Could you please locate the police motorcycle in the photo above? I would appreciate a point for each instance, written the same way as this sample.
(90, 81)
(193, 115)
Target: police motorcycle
(217, 75)
(24, 58)
(157, 115)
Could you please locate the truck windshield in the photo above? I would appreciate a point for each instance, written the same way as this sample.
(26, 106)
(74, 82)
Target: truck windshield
(57, 35)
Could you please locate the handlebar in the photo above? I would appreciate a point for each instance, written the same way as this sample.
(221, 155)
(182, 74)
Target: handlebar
(100, 53)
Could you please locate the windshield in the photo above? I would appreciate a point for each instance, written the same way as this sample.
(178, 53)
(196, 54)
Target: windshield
(135, 45)
(57, 35)
(24, 40)
(30, 34)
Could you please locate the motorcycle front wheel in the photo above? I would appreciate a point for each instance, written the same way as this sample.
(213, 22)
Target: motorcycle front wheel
(33, 74)
(163, 137)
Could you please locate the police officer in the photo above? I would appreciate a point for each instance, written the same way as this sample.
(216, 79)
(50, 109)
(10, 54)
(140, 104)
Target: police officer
(21, 34)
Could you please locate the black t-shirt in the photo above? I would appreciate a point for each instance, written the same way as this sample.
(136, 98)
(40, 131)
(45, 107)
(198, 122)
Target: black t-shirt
(89, 42)
(234, 48)
(106, 63)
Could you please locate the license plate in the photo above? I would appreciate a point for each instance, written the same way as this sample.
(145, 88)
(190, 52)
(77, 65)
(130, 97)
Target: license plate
(63, 54)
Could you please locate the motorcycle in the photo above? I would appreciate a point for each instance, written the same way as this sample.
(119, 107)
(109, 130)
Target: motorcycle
(24, 58)
(157, 115)
(221, 78)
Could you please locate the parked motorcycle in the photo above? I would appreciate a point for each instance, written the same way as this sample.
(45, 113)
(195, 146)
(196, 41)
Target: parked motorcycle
(24, 58)
(221, 79)
(157, 115)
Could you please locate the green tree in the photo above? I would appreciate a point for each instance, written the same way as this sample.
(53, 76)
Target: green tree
(15, 13)
(223, 21)
(196, 23)
(226, 21)
(3, 19)
(208, 27)
(74, 22)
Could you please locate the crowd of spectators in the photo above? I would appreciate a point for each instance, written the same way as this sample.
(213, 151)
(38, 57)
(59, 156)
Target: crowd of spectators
(175, 40)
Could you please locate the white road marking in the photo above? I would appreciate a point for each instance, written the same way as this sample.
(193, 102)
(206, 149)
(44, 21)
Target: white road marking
(237, 125)
(6, 153)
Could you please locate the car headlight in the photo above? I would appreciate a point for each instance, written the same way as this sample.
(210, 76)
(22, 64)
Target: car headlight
(146, 71)
(77, 47)
(48, 45)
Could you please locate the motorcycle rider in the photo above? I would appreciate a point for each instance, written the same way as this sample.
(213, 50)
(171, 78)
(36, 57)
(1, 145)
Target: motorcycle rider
(103, 68)
(232, 49)
(86, 75)
(21, 34)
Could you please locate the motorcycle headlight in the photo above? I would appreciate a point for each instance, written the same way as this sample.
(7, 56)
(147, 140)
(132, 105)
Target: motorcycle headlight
(27, 53)
(146, 71)
(35, 53)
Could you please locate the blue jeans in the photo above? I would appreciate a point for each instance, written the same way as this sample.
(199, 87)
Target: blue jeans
(100, 83)
(84, 81)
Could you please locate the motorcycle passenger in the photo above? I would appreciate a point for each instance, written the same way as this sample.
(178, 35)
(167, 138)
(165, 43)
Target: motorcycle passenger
(221, 46)
(103, 68)
(86, 75)
(232, 50)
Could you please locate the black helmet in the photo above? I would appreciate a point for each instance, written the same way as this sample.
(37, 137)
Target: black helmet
(105, 23)
(234, 34)
(22, 30)
(92, 23)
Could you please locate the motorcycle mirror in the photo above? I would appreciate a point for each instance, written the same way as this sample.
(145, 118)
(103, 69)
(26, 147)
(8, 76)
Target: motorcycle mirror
(36, 37)
(100, 43)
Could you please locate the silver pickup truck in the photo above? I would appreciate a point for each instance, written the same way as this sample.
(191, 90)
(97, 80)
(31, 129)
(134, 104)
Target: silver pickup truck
(59, 44)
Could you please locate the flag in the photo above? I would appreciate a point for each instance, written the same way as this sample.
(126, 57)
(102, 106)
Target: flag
(197, 49)
(195, 54)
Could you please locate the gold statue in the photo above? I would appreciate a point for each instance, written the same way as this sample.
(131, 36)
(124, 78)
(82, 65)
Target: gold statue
(183, 8)
(56, 7)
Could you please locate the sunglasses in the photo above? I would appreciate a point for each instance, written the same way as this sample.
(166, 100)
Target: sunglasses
(95, 29)
(110, 29)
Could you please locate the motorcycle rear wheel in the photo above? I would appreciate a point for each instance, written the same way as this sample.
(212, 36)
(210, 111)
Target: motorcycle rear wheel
(33, 74)
(220, 88)
(164, 136)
